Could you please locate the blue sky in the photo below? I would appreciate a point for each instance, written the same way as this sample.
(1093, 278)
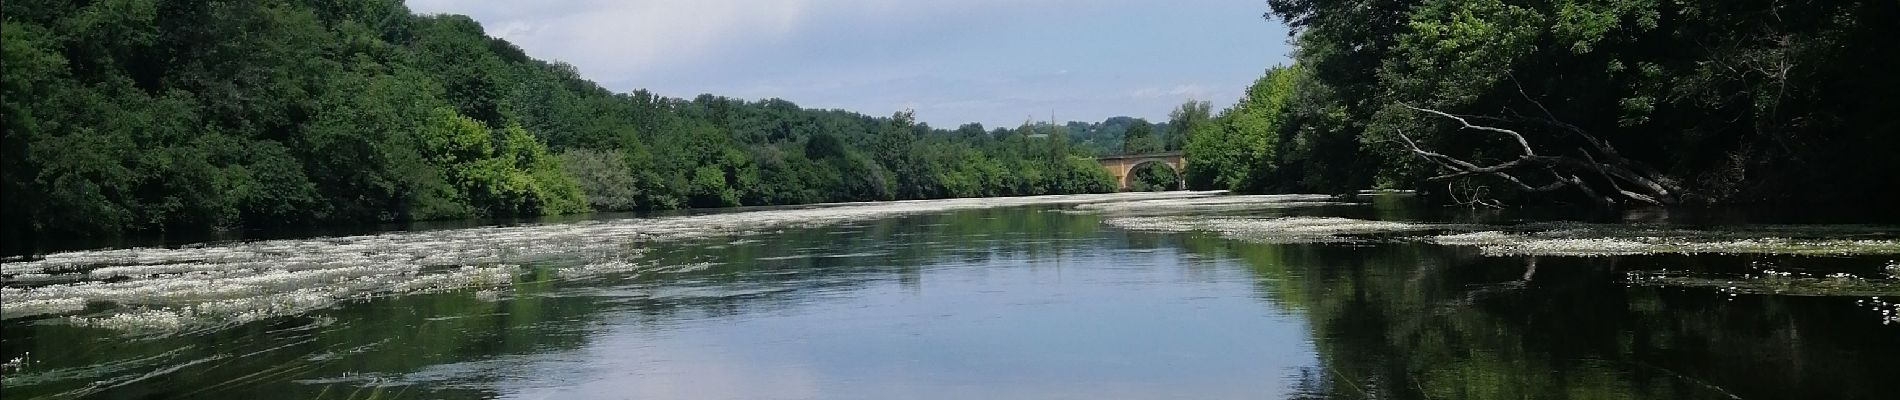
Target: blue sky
(997, 62)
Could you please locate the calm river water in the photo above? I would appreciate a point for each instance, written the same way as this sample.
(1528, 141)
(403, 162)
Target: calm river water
(1043, 300)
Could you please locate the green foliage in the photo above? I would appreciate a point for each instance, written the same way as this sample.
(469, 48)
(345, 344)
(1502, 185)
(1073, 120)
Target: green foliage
(1241, 148)
(1744, 101)
(1141, 139)
(604, 177)
(142, 115)
(1183, 121)
(270, 184)
(1100, 137)
(1153, 177)
(1087, 176)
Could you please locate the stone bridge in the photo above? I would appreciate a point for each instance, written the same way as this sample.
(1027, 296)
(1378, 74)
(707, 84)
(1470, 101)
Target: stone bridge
(1123, 166)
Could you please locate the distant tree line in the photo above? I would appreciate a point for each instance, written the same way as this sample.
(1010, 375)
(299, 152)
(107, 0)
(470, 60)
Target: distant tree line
(1619, 102)
(146, 115)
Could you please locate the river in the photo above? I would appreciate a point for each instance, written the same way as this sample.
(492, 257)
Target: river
(1142, 295)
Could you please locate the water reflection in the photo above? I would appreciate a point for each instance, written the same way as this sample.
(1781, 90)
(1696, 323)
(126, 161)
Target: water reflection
(1409, 321)
(1030, 302)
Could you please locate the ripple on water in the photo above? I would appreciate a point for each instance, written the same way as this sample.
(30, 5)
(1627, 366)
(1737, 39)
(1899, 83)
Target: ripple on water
(169, 289)
(1272, 230)
(1613, 241)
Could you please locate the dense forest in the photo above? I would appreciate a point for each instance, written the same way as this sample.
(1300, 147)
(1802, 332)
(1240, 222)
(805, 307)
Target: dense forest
(169, 116)
(165, 116)
(1611, 102)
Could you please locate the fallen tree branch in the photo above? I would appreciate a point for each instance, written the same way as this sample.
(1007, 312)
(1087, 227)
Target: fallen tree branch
(1525, 144)
(1612, 179)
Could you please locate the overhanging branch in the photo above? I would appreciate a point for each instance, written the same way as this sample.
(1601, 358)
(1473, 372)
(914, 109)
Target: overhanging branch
(1606, 180)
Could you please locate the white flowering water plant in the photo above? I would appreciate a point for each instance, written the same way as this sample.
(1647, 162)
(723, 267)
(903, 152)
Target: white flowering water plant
(17, 364)
(167, 289)
(160, 290)
(1889, 310)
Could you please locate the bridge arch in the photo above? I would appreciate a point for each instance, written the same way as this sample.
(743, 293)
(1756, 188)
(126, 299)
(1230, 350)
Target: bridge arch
(1123, 167)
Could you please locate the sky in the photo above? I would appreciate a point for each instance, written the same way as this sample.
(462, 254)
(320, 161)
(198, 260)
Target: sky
(997, 62)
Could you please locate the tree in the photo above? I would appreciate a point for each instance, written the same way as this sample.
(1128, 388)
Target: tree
(1731, 102)
(124, 116)
(1140, 139)
(1242, 149)
(1153, 177)
(1600, 173)
(1183, 121)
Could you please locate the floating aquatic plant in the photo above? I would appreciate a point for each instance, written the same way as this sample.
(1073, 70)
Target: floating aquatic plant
(236, 282)
(1206, 204)
(1579, 243)
(24, 308)
(489, 295)
(160, 289)
(1772, 282)
(1889, 311)
(146, 320)
(598, 268)
(1270, 230)
(17, 364)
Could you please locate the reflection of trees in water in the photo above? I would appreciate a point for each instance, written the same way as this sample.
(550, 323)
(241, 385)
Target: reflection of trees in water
(1416, 321)
(357, 344)
(400, 340)
(1387, 321)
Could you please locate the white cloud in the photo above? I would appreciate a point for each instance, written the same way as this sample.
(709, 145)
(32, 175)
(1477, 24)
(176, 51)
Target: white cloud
(628, 38)
(1185, 91)
(953, 61)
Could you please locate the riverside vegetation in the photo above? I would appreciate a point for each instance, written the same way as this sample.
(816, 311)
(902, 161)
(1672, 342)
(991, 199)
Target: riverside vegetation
(145, 115)
(1198, 293)
(1619, 102)
(148, 116)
